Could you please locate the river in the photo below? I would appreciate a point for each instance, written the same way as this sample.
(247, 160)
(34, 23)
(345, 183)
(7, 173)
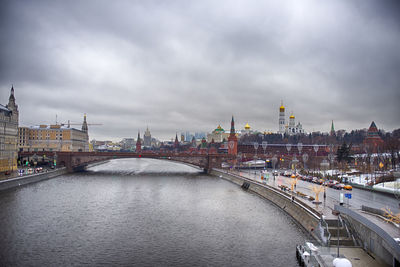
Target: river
(143, 212)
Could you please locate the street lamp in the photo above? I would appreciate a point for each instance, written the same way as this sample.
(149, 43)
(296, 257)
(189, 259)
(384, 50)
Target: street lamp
(316, 147)
(305, 159)
(299, 147)
(294, 162)
(240, 158)
(288, 148)
(331, 157)
(264, 145)
(324, 166)
(274, 160)
(255, 144)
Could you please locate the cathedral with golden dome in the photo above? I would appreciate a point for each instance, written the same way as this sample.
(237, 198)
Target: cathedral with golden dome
(291, 128)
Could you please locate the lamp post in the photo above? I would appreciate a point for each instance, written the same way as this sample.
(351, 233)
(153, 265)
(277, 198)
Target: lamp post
(299, 147)
(274, 160)
(288, 148)
(331, 157)
(231, 145)
(264, 145)
(240, 158)
(256, 145)
(294, 162)
(324, 166)
(316, 147)
(305, 159)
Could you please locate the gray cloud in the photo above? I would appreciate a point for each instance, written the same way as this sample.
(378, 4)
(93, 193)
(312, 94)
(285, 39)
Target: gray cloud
(189, 65)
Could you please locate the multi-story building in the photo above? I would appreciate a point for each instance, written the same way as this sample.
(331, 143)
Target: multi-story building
(147, 138)
(53, 138)
(9, 135)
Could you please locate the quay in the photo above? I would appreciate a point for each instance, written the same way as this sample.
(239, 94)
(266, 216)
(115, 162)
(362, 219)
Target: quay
(364, 239)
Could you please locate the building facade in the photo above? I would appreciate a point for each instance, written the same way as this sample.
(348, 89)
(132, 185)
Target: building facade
(53, 138)
(218, 135)
(292, 128)
(9, 135)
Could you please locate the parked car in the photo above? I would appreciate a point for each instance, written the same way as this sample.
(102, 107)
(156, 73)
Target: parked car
(348, 187)
(338, 186)
(309, 178)
(331, 183)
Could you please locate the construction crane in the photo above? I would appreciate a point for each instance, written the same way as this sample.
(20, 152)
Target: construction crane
(89, 124)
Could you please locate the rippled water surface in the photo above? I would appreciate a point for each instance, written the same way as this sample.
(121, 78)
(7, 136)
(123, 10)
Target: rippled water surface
(142, 212)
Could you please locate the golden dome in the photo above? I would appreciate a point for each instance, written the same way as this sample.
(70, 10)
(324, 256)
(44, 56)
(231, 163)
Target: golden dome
(282, 108)
(291, 117)
(247, 126)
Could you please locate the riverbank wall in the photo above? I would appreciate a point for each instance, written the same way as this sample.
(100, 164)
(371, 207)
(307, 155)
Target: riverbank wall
(304, 215)
(375, 240)
(28, 179)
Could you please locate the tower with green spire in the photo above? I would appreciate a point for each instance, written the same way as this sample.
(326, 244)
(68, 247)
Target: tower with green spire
(332, 129)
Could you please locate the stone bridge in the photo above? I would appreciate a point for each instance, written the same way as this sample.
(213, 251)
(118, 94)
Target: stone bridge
(77, 161)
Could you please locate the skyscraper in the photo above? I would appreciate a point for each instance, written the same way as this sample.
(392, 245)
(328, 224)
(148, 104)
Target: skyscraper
(147, 137)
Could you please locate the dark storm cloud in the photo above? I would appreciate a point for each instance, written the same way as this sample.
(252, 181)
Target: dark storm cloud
(189, 65)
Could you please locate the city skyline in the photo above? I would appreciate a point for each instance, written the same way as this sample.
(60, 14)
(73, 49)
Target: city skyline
(180, 67)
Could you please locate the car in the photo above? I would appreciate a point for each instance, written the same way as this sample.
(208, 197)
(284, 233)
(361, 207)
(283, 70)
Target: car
(309, 178)
(331, 183)
(338, 186)
(348, 187)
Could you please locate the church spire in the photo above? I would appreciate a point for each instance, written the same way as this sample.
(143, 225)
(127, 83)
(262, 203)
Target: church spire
(332, 129)
(11, 100)
(232, 126)
(138, 143)
(84, 124)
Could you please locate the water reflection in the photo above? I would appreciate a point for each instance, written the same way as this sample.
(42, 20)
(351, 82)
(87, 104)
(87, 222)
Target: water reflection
(106, 217)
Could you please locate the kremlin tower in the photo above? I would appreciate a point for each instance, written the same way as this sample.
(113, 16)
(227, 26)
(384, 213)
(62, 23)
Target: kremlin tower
(138, 143)
(373, 140)
(232, 140)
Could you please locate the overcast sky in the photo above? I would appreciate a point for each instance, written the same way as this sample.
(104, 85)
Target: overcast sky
(190, 65)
